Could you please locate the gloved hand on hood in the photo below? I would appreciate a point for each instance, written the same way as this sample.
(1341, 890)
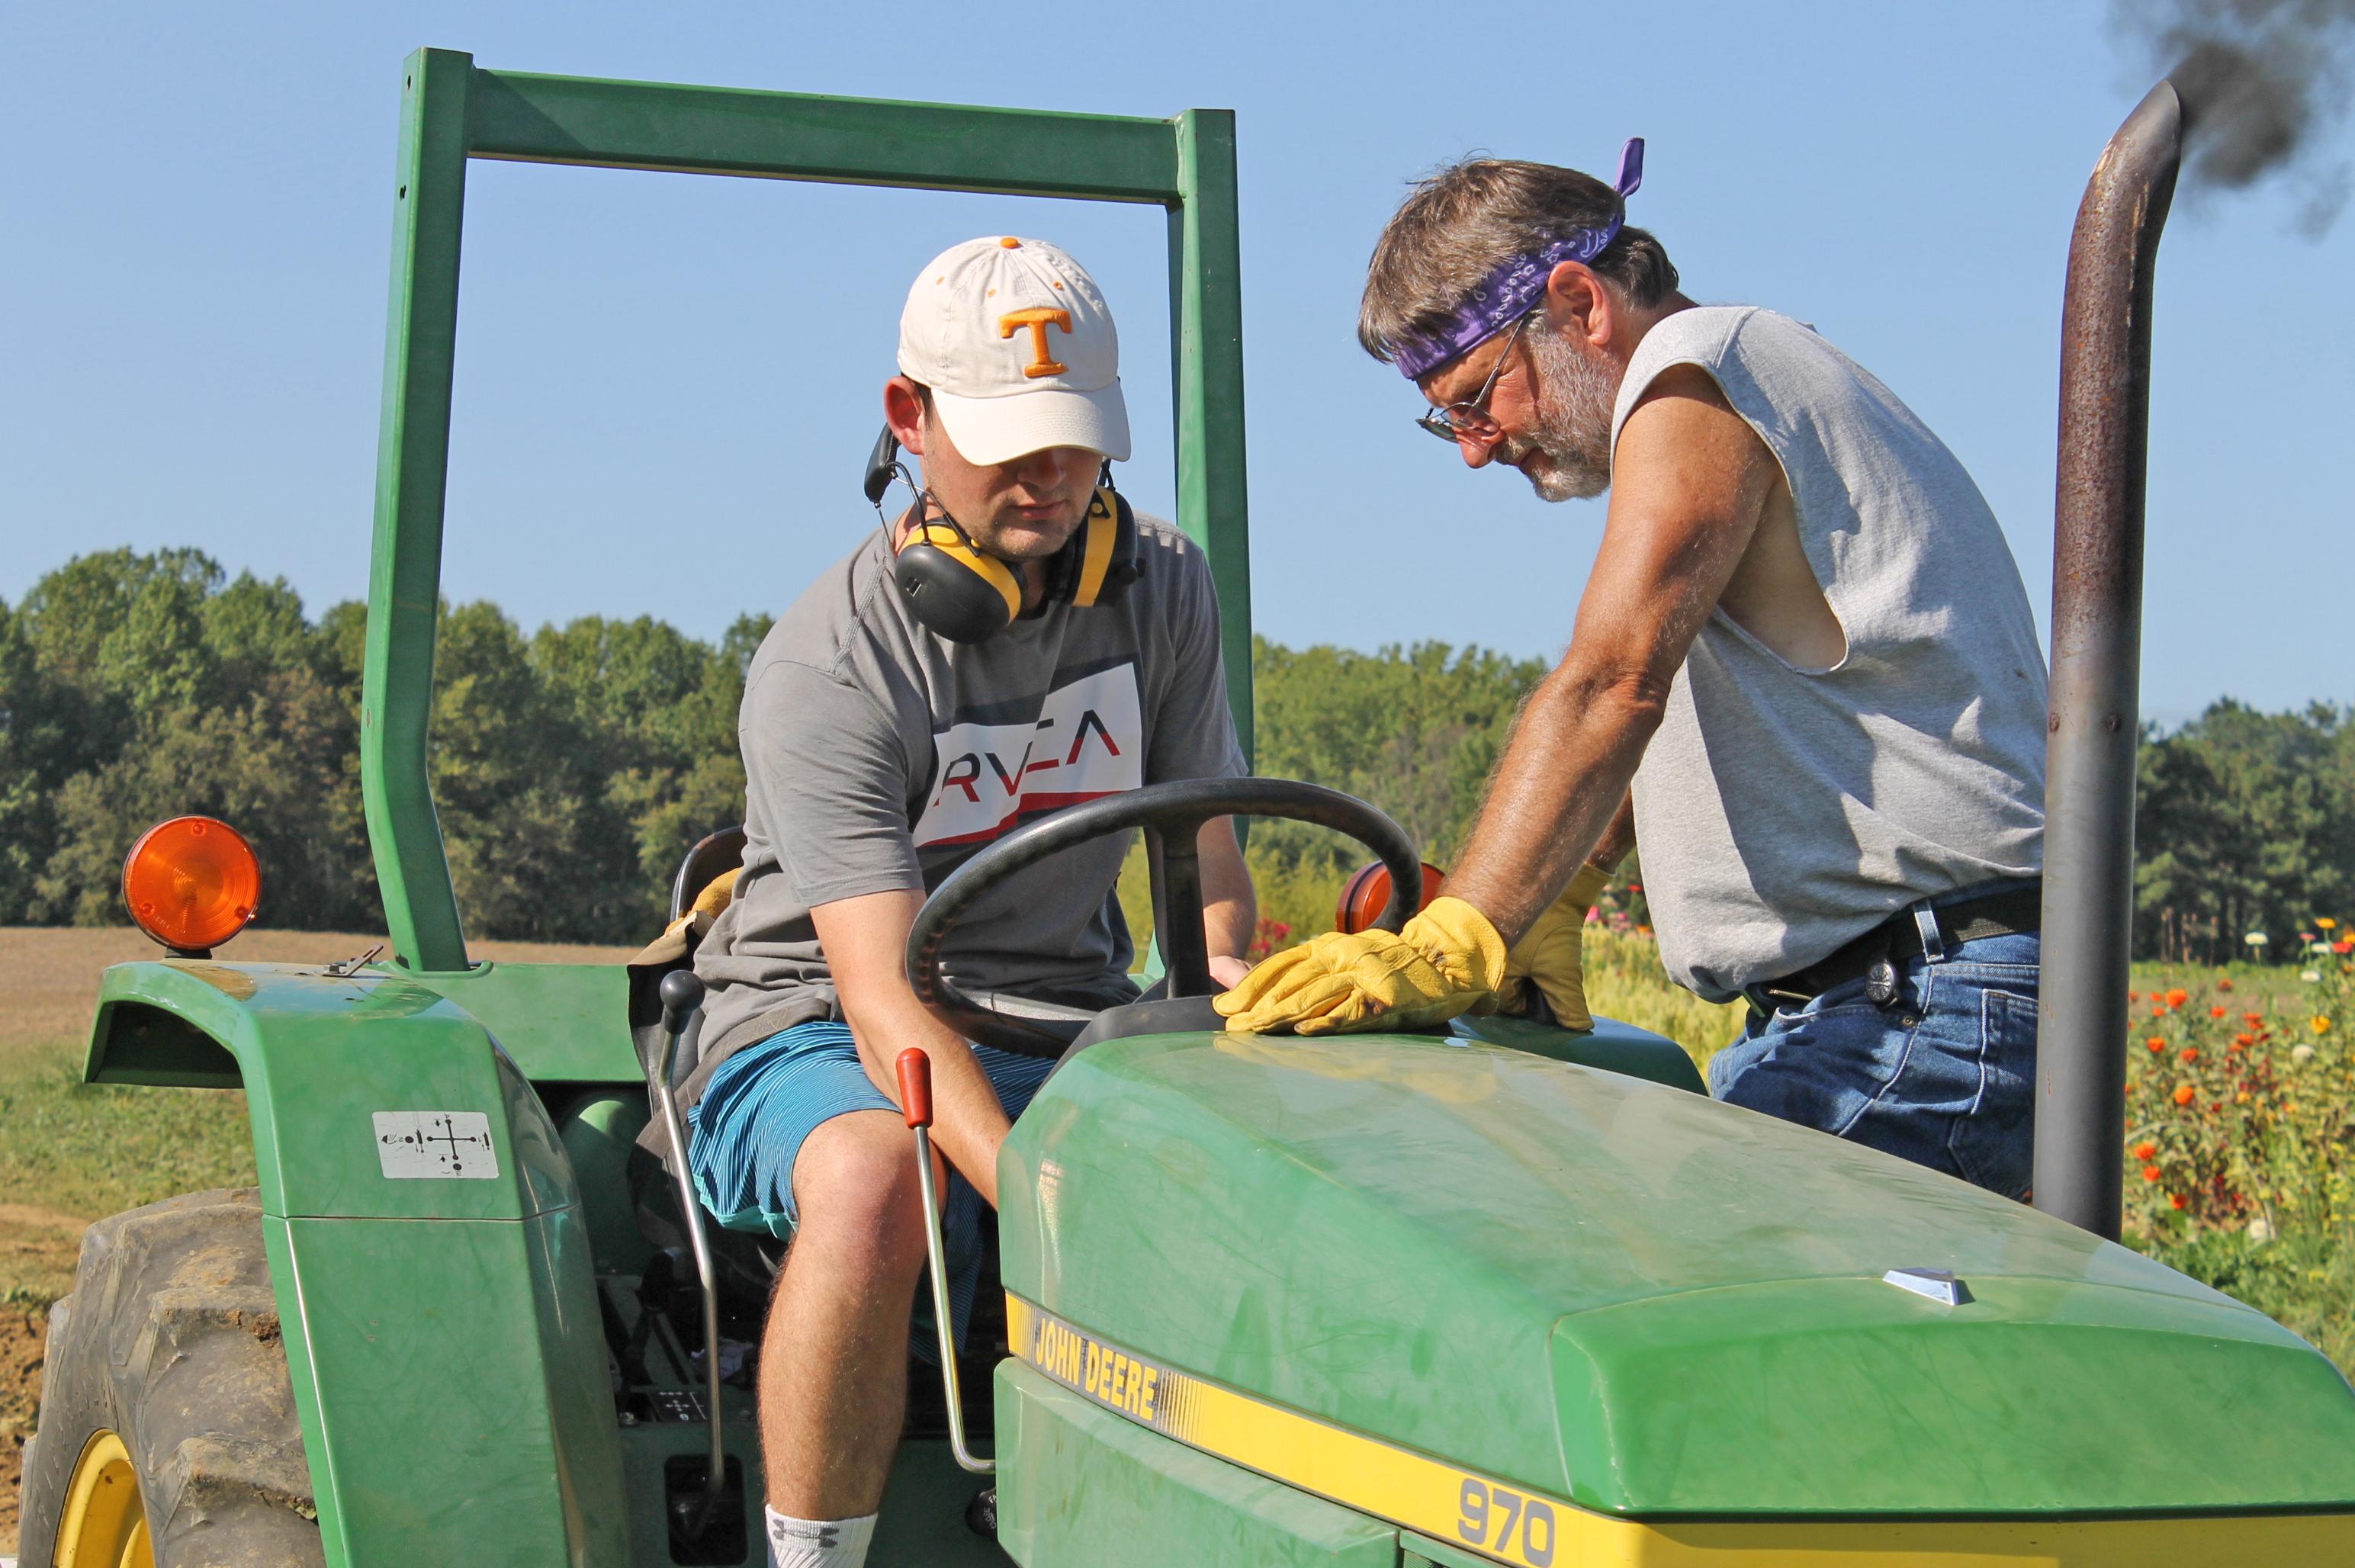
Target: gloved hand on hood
(1449, 960)
(1550, 958)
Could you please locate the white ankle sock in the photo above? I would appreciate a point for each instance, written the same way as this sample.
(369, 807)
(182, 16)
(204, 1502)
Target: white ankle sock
(818, 1542)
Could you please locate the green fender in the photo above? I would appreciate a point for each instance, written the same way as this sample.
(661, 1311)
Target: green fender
(449, 1320)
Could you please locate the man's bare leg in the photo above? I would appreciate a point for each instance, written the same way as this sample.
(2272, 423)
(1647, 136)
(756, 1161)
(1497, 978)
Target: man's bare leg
(834, 1357)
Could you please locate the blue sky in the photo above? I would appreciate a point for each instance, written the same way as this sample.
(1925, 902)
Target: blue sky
(667, 384)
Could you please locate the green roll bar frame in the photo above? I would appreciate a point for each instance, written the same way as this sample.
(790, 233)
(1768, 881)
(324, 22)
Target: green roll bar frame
(452, 110)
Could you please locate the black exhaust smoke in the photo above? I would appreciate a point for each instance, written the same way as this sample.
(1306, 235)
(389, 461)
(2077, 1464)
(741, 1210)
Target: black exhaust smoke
(2261, 82)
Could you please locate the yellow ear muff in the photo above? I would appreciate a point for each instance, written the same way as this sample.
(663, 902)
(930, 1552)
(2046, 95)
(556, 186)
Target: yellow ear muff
(1101, 533)
(953, 589)
(991, 569)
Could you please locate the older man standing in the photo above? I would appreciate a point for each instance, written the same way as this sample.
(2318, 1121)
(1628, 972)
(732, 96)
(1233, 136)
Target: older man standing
(1803, 672)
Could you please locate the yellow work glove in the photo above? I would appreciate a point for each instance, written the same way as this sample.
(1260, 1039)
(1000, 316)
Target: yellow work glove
(1448, 961)
(1549, 957)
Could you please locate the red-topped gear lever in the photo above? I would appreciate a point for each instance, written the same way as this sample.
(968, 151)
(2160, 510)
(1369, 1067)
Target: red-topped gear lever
(915, 1069)
(916, 1087)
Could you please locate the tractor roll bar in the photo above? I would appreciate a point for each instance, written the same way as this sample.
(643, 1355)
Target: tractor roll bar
(2093, 726)
(453, 110)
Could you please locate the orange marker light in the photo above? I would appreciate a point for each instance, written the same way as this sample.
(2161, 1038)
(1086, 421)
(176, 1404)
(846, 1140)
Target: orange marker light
(1367, 893)
(191, 883)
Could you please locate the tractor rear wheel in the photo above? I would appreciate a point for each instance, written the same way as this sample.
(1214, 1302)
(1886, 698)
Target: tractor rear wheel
(167, 1434)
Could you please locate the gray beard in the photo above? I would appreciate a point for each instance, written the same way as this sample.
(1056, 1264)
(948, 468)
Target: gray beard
(1570, 437)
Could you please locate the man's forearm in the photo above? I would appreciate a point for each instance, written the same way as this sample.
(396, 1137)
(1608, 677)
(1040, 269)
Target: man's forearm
(1229, 905)
(968, 1123)
(1559, 798)
(1618, 838)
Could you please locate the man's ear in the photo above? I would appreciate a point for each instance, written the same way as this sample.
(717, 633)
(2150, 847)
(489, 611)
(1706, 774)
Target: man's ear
(903, 410)
(1578, 306)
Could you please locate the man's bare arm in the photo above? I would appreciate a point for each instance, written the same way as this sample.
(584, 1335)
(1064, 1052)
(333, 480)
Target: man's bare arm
(1618, 838)
(1230, 904)
(1689, 480)
(866, 943)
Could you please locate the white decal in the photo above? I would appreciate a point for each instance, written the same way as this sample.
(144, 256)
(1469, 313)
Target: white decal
(1089, 741)
(436, 1143)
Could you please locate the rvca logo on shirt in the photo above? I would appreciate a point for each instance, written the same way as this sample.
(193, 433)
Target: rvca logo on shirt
(1088, 741)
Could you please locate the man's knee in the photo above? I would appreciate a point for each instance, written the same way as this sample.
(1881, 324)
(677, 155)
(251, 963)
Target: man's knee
(858, 1198)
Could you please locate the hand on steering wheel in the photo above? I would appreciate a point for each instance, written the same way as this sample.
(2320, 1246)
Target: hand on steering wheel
(1171, 814)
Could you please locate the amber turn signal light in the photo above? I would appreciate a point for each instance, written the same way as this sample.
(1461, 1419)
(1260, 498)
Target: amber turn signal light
(1367, 893)
(191, 883)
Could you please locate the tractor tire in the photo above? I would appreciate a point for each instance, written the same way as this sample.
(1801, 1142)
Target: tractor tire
(168, 1432)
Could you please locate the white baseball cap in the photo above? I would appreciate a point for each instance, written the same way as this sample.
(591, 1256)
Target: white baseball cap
(1014, 340)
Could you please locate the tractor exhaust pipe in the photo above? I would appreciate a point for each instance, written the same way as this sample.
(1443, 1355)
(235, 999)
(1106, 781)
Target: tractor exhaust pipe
(2093, 723)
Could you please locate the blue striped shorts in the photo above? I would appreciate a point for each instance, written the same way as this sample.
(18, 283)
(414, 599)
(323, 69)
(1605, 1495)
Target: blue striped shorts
(764, 1103)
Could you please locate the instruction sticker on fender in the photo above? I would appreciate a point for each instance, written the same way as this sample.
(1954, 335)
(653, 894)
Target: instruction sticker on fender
(411, 1144)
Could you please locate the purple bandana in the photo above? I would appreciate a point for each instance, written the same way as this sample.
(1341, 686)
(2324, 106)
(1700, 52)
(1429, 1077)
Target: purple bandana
(1512, 290)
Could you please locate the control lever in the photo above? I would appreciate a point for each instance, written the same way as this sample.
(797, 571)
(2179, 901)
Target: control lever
(682, 995)
(916, 1103)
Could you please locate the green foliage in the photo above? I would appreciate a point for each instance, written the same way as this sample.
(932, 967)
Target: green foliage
(1413, 729)
(2245, 821)
(572, 767)
(571, 770)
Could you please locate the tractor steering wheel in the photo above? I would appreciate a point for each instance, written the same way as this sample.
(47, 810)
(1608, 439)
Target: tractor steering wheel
(1170, 814)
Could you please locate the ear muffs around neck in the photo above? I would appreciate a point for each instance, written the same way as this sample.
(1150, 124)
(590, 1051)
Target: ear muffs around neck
(1097, 567)
(962, 593)
(952, 587)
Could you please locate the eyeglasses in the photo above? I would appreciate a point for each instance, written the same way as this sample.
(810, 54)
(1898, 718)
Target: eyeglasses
(1471, 417)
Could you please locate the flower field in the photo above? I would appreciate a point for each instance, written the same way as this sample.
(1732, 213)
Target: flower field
(2240, 1101)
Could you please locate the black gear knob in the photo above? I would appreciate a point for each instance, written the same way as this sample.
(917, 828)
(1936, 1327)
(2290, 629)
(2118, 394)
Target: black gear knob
(681, 994)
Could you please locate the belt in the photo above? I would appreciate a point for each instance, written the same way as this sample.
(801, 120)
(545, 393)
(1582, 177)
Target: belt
(2009, 912)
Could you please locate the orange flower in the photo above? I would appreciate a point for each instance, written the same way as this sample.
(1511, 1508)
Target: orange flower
(2225, 983)
(2191, 1053)
(2174, 1199)
(2253, 1019)
(2216, 1012)
(2151, 1173)
(2185, 1093)
(2177, 997)
(2134, 996)
(2244, 1040)
(2320, 1025)
(2145, 1149)
(2158, 1012)
(2155, 1044)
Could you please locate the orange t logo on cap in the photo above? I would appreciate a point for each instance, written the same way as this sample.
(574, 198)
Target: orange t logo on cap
(1037, 321)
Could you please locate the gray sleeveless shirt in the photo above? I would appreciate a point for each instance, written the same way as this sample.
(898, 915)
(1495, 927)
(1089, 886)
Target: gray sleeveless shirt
(1781, 811)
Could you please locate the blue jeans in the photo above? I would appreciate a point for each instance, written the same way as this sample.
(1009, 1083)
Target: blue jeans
(1945, 1076)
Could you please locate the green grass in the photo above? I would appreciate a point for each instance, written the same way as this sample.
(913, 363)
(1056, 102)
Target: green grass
(91, 1149)
(2304, 1281)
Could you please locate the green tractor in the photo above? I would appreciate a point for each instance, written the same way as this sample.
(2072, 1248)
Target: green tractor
(1506, 1295)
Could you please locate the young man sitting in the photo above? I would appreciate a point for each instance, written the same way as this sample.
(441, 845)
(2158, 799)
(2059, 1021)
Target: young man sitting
(891, 730)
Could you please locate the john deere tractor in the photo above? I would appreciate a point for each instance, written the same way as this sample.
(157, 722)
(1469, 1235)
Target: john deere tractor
(1500, 1294)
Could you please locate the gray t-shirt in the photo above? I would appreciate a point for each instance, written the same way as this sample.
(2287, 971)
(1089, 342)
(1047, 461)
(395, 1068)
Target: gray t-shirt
(1781, 811)
(880, 757)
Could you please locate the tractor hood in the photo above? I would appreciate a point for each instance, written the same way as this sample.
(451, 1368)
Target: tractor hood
(1628, 1296)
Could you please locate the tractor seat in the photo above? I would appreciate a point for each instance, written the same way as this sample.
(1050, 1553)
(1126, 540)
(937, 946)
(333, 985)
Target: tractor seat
(714, 856)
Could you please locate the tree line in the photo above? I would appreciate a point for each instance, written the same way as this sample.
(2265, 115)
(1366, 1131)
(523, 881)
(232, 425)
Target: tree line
(572, 767)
